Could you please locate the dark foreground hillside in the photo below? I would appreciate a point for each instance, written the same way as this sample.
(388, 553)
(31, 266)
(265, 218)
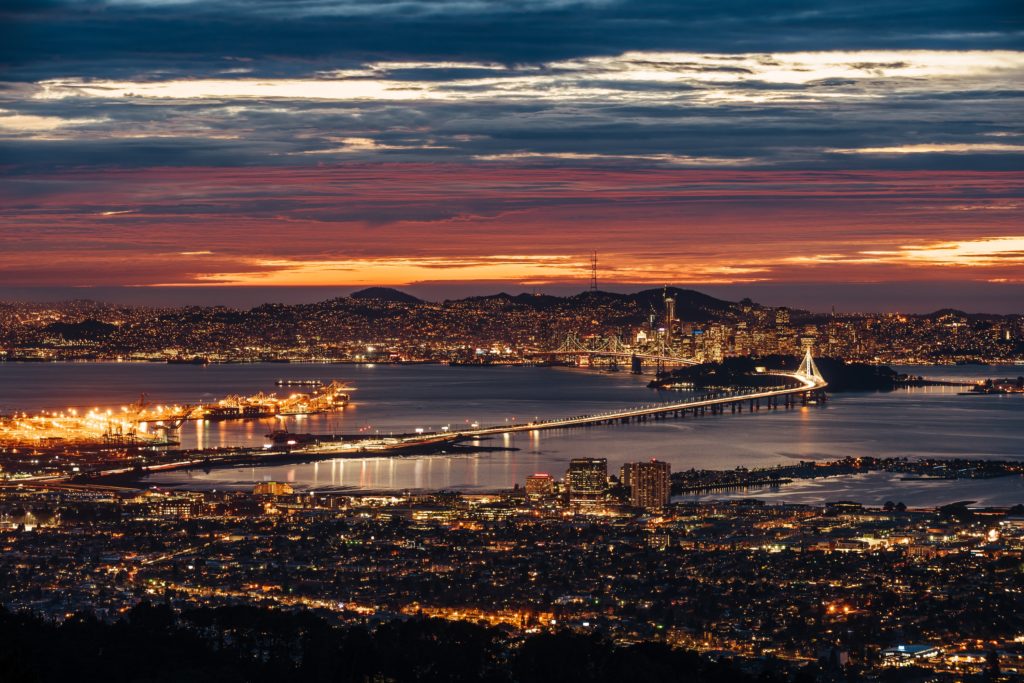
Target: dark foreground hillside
(235, 644)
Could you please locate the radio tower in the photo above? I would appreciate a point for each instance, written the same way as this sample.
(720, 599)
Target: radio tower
(593, 271)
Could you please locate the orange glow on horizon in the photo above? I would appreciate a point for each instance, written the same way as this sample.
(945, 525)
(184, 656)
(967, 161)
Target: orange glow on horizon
(399, 225)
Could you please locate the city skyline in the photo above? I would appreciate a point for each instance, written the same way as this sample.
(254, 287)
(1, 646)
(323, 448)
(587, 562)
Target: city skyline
(866, 156)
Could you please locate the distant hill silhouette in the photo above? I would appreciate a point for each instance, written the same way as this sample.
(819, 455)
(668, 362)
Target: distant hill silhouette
(87, 330)
(385, 294)
(536, 301)
(957, 313)
(690, 305)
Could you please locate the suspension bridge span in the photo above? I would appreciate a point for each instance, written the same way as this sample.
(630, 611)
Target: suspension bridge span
(805, 383)
(800, 387)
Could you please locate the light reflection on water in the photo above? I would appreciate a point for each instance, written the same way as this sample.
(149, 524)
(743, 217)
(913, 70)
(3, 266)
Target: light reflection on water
(933, 421)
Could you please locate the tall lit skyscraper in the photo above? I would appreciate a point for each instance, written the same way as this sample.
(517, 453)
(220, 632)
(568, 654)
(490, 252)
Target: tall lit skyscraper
(587, 479)
(539, 486)
(650, 483)
(670, 318)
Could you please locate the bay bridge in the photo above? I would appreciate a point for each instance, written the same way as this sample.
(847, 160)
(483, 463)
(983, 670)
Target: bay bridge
(801, 386)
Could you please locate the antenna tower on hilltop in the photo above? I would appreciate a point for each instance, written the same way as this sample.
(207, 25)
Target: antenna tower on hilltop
(593, 271)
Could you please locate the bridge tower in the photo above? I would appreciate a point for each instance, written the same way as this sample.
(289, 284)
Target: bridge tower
(808, 368)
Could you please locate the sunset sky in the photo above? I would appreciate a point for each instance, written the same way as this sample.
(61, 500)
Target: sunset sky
(864, 153)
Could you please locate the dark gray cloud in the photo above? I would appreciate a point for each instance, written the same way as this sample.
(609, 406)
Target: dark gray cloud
(649, 126)
(46, 38)
(544, 81)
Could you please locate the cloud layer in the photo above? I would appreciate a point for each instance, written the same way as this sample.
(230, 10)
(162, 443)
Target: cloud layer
(322, 143)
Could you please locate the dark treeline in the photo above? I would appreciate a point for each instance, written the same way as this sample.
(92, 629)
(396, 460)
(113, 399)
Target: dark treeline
(153, 643)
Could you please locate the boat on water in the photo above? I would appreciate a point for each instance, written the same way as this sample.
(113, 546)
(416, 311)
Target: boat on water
(282, 437)
(321, 399)
(217, 413)
(195, 360)
(299, 383)
(474, 363)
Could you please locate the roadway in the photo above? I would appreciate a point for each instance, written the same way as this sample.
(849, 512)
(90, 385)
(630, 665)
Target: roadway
(803, 384)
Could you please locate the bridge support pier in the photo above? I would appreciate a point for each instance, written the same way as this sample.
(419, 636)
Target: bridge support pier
(636, 365)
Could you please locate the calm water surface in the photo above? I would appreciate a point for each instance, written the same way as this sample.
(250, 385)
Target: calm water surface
(917, 422)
